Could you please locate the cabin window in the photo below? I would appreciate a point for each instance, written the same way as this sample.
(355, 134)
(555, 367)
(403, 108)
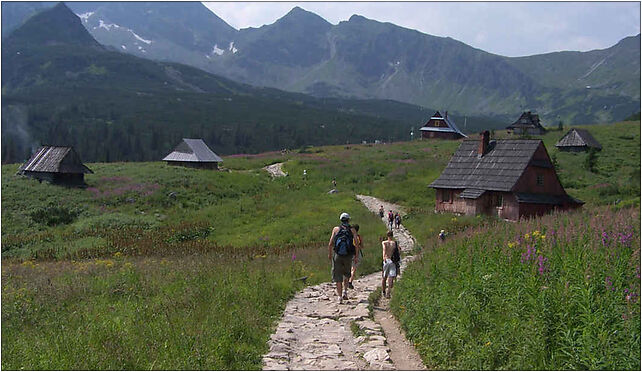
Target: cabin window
(446, 196)
(499, 200)
(540, 180)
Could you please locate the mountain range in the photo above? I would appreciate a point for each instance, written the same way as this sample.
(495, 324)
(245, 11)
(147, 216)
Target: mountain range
(363, 58)
(60, 86)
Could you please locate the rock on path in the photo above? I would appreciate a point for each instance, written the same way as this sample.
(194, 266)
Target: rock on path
(275, 170)
(315, 330)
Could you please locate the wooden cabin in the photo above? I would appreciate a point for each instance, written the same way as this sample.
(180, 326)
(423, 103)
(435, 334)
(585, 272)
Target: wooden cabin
(443, 127)
(577, 140)
(512, 179)
(193, 153)
(528, 123)
(56, 164)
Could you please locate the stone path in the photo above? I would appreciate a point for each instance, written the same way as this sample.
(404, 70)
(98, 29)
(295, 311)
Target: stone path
(275, 170)
(315, 330)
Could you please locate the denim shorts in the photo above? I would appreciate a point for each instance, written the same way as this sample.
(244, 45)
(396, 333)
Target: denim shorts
(389, 269)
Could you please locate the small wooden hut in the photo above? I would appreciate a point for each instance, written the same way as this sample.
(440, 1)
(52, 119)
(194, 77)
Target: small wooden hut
(507, 178)
(528, 123)
(57, 165)
(577, 140)
(193, 153)
(439, 126)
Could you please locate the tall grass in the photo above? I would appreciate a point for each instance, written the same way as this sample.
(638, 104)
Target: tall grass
(560, 292)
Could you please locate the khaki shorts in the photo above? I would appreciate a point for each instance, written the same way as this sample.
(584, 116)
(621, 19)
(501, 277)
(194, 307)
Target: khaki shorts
(341, 266)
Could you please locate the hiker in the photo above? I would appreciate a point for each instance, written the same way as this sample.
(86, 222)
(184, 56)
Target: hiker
(442, 235)
(305, 174)
(334, 182)
(389, 271)
(355, 264)
(381, 212)
(397, 220)
(342, 251)
(391, 218)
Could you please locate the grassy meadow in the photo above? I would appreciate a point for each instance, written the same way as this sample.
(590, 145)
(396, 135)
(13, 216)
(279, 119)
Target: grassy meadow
(160, 267)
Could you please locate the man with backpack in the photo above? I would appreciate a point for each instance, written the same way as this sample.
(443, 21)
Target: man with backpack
(342, 251)
(391, 219)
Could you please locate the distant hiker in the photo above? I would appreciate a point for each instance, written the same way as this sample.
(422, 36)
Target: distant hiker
(442, 235)
(355, 264)
(334, 182)
(391, 218)
(381, 212)
(305, 174)
(397, 220)
(342, 251)
(389, 271)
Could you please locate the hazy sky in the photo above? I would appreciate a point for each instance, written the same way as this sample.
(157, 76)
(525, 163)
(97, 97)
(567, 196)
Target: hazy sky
(505, 28)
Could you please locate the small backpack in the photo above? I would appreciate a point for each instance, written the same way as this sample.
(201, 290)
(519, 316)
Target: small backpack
(396, 256)
(344, 241)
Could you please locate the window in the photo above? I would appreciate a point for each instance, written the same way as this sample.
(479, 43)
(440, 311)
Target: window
(499, 200)
(446, 196)
(540, 179)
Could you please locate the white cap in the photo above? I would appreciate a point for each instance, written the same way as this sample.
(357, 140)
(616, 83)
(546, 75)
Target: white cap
(344, 216)
(442, 231)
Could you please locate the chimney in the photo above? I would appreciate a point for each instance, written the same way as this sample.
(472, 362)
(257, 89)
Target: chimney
(484, 138)
(446, 115)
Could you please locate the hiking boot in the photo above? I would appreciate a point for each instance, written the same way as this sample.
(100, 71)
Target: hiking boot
(345, 295)
(388, 294)
(339, 299)
(350, 285)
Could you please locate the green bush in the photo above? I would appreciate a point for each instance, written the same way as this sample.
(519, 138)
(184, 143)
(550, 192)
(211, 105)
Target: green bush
(53, 215)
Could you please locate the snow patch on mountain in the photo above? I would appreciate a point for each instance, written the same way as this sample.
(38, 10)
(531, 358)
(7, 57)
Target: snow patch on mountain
(106, 26)
(85, 16)
(124, 47)
(218, 51)
(140, 38)
(232, 48)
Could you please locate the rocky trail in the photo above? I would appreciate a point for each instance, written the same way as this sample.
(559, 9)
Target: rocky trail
(316, 332)
(275, 170)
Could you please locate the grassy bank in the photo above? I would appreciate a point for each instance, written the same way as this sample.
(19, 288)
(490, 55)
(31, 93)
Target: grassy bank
(556, 293)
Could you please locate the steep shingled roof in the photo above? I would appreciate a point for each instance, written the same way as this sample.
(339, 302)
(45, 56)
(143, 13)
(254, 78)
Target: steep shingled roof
(527, 120)
(193, 150)
(451, 125)
(54, 159)
(578, 138)
(498, 170)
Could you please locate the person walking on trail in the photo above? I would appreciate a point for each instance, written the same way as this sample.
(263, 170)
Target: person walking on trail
(442, 236)
(355, 264)
(334, 183)
(391, 218)
(381, 212)
(389, 271)
(397, 220)
(342, 251)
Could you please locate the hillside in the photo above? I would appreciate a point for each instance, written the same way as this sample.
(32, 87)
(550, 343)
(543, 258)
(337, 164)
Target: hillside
(62, 87)
(139, 252)
(363, 58)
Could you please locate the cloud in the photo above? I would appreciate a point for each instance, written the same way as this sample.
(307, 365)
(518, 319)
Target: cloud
(505, 28)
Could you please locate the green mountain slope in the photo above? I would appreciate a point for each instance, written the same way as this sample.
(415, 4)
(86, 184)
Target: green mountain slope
(64, 88)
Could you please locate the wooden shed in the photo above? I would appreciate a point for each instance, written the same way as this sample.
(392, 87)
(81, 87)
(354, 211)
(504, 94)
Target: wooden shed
(528, 123)
(577, 140)
(193, 153)
(56, 164)
(439, 126)
(510, 178)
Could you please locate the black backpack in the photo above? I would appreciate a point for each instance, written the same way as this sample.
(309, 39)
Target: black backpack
(396, 256)
(344, 241)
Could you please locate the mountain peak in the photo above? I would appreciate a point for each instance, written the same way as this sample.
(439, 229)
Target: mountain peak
(298, 14)
(55, 26)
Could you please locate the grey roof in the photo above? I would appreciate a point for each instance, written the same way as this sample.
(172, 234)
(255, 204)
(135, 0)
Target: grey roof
(546, 199)
(54, 159)
(471, 193)
(193, 150)
(527, 120)
(578, 138)
(451, 125)
(498, 170)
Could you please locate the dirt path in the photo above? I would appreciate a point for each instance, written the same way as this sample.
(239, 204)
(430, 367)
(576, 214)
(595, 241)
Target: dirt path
(275, 170)
(315, 332)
